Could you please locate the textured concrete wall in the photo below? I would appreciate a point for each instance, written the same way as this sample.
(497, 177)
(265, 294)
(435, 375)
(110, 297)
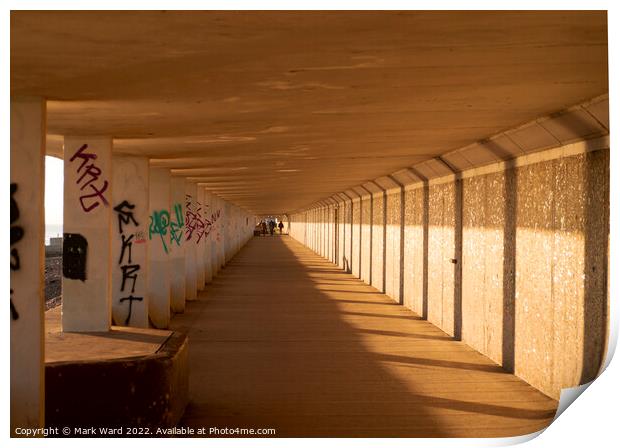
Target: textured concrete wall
(484, 266)
(441, 256)
(355, 260)
(416, 250)
(366, 238)
(347, 236)
(332, 235)
(341, 234)
(561, 245)
(392, 246)
(325, 230)
(513, 262)
(378, 225)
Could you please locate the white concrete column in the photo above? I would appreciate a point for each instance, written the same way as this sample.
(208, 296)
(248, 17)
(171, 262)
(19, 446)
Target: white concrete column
(226, 230)
(87, 219)
(159, 247)
(201, 243)
(27, 263)
(219, 215)
(237, 229)
(130, 223)
(177, 246)
(200, 238)
(208, 238)
(214, 217)
(192, 227)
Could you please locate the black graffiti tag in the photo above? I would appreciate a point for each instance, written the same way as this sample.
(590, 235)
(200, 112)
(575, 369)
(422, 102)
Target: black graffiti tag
(129, 270)
(126, 243)
(130, 299)
(125, 215)
(17, 233)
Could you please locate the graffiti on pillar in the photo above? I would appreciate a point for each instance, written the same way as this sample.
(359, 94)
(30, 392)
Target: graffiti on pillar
(74, 256)
(89, 177)
(194, 222)
(176, 226)
(211, 222)
(17, 233)
(125, 215)
(129, 270)
(161, 224)
(140, 238)
(130, 299)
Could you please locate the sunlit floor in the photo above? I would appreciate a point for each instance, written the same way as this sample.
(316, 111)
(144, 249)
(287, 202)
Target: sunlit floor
(284, 339)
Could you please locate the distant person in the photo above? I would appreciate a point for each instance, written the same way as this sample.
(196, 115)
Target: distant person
(264, 227)
(272, 227)
(281, 226)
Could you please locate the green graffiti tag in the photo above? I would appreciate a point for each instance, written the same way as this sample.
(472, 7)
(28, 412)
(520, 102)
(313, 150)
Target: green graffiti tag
(176, 228)
(158, 225)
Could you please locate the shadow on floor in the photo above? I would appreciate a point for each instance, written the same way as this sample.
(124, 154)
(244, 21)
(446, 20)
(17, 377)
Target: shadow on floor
(268, 349)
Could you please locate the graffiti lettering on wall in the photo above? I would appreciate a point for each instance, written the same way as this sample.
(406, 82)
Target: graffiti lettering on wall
(17, 233)
(129, 270)
(160, 223)
(89, 178)
(195, 224)
(214, 217)
(74, 256)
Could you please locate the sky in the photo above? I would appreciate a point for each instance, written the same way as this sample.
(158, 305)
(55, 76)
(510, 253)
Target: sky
(53, 195)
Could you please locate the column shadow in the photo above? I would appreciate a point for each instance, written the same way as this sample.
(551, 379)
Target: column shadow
(270, 350)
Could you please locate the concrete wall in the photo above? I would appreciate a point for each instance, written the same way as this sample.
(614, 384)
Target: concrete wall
(347, 236)
(416, 250)
(366, 237)
(392, 245)
(130, 226)
(355, 259)
(378, 228)
(442, 257)
(341, 233)
(510, 258)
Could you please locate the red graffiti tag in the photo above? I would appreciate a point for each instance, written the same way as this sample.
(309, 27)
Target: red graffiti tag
(89, 177)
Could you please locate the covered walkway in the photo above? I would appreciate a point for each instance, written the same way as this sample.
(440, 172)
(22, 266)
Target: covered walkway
(443, 177)
(283, 339)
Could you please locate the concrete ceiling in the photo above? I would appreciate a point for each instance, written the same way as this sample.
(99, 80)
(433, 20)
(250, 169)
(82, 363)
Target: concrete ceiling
(274, 110)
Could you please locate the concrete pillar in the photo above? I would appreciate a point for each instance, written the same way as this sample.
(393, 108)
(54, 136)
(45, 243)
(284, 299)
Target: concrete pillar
(159, 247)
(208, 238)
(237, 229)
(192, 228)
(200, 238)
(87, 219)
(400, 274)
(130, 223)
(177, 246)
(226, 230)
(221, 236)
(27, 265)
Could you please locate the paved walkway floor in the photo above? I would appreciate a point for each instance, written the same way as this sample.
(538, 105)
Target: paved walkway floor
(119, 342)
(284, 339)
